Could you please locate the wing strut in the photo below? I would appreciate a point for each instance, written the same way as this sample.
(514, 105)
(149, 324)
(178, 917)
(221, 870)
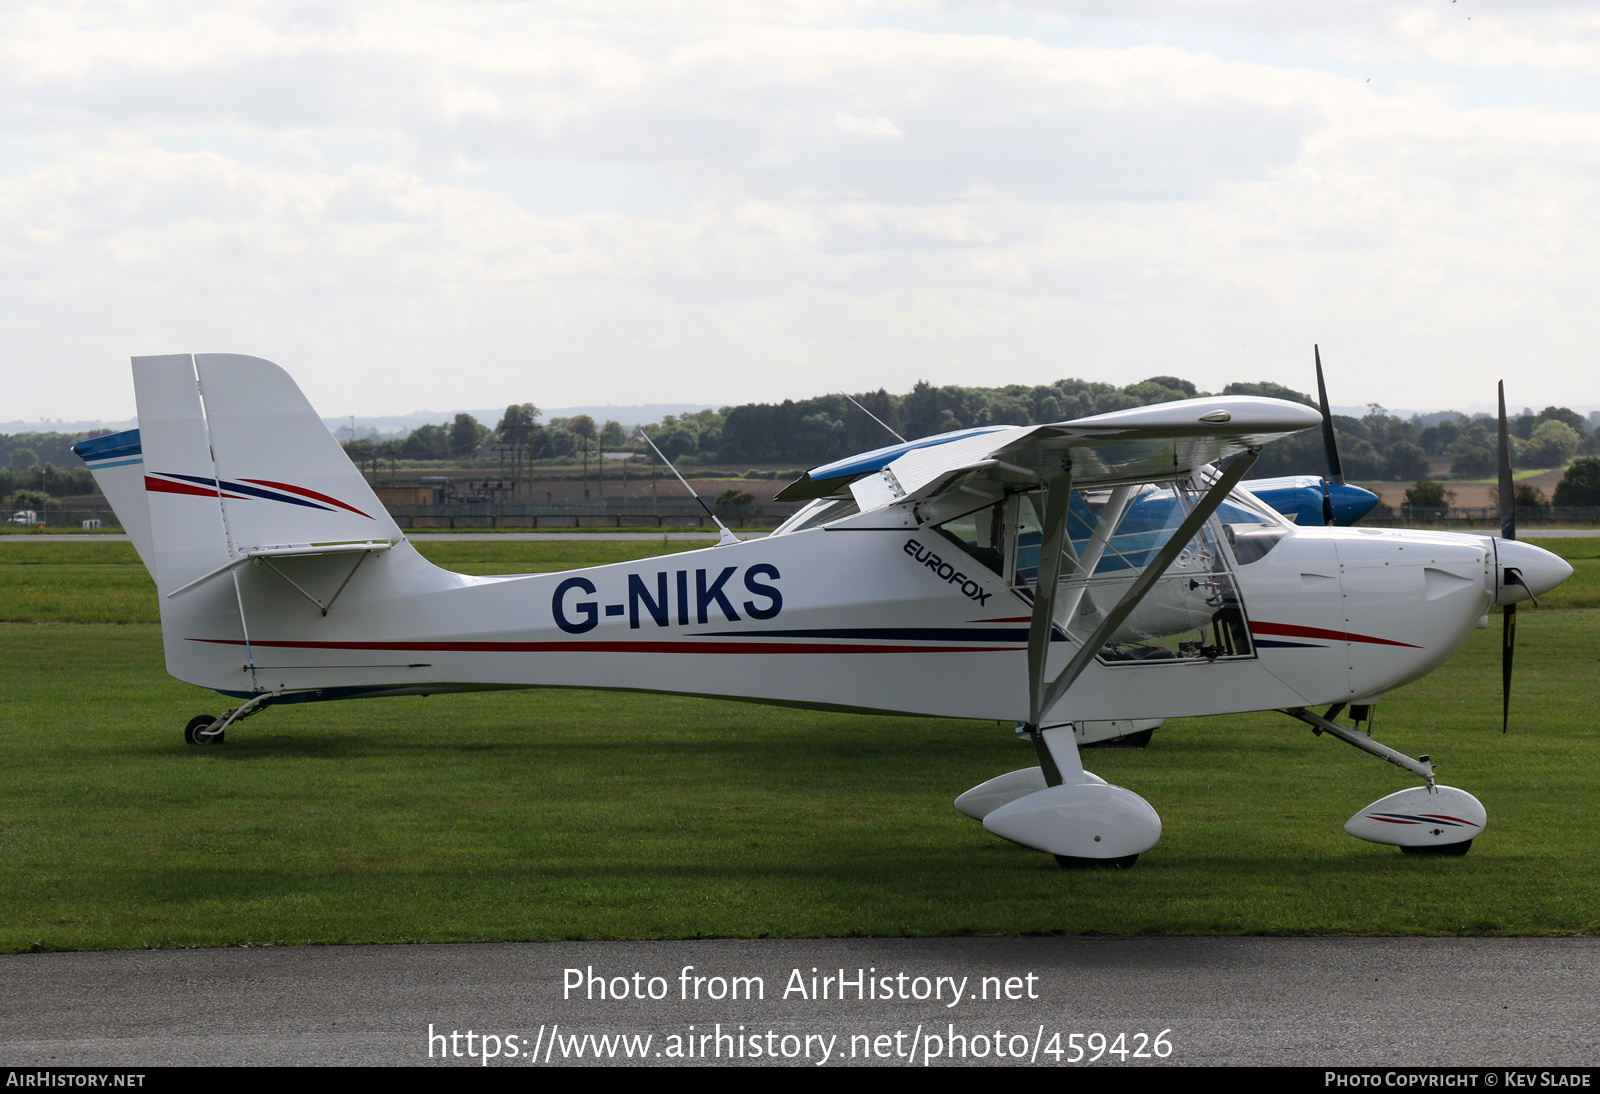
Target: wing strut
(1041, 695)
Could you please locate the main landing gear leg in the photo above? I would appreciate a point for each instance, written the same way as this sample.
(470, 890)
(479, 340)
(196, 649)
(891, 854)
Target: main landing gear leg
(1424, 820)
(203, 729)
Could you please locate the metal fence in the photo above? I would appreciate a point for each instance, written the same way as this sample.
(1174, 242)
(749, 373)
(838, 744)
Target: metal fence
(687, 513)
(598, 513)
(1486, 516)
(61, 520)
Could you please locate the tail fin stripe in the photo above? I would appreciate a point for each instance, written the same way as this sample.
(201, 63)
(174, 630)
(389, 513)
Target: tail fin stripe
(162, 486)
(252, 491)
(309, 493)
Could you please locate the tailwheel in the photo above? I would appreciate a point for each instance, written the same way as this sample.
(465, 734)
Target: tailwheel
(1452, 850)
(194, 733)
(1068, 862)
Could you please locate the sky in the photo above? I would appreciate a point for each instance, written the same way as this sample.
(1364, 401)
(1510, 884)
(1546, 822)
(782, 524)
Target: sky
(469, 203)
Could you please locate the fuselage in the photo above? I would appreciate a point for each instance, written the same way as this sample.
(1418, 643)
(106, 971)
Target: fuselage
(873, 611)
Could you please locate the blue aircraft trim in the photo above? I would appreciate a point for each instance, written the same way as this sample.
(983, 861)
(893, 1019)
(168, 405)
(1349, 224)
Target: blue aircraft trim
(321, 695)
(1303, 504)
(898, 634)
(879, 458)
(121, 444)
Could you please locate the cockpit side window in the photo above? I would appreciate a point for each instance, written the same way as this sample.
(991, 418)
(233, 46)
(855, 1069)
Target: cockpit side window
(1251, 533)
(982, 534)
(818, 512)
(1194, 611)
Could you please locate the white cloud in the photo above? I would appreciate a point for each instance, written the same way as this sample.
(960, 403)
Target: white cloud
(853, 203)
(867, 127)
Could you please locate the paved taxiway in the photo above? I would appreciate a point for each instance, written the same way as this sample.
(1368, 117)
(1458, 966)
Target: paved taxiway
(1298, 1001)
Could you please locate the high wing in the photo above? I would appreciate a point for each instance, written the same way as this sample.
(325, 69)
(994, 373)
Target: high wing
(1137, 445)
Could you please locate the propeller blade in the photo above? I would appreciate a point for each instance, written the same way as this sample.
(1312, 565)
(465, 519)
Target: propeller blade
(1508, 530)
(1508, 649)
(1329, 445)
(1508, 500)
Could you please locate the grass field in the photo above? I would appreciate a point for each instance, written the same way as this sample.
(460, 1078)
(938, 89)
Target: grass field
(572, 814)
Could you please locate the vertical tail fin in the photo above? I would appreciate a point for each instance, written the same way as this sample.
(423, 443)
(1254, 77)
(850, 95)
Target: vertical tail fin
(235, 461)
(117, 464)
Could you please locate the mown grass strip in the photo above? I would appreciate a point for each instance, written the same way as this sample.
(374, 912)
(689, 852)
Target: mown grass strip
(570, 814)
(106, 583)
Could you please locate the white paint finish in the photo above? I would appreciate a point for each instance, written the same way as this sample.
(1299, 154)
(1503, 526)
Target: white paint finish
(990, 795)
(1421, 816)
(1085, 820)
(1292, 589)
(863, 625)
(1109, 730)
(1540, 569)
(262, 428)
(1402, 632)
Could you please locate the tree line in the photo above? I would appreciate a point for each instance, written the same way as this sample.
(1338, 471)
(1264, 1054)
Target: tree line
(1378, 445)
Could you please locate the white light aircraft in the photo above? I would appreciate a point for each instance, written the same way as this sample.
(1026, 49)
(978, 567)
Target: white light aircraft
(1108, 568)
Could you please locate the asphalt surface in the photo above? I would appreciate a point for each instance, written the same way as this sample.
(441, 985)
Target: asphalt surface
(1270, 1001)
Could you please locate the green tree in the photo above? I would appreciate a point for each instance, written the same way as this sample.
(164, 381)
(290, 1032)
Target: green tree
(1472, 456)
(613, 436)
(1552, 444)
(676, 437)
(466, 436)
(1563, 414)
(1429, 493)
(1405, 461)
(37, 500)
(582, 426)
(1436, 439)
(518, 423)
(427, 442)
(1269, 390)
(1525, 495)
(1581, 484)
(1162, 389)
(23, 459)
(1361, 460)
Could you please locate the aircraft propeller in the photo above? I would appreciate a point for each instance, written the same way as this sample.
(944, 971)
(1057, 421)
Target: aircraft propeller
(1510, 575)
(1329, 445)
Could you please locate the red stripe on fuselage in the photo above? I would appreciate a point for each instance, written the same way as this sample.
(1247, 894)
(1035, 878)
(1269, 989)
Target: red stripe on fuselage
(608, 647)
(1289, 631)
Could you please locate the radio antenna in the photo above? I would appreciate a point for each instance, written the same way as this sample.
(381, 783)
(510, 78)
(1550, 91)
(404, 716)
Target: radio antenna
(874, 417)
(727, 537)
